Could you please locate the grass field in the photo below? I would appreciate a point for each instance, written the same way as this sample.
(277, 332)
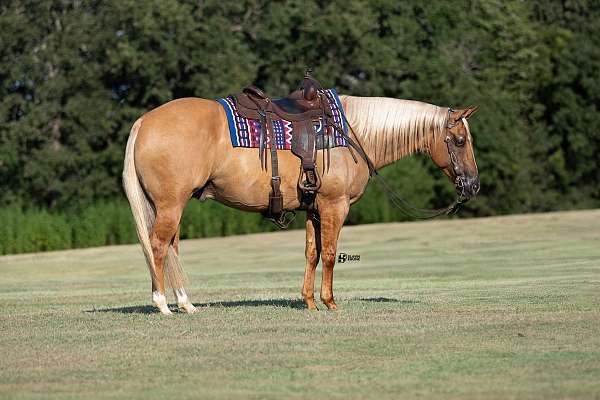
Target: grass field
(490, 308)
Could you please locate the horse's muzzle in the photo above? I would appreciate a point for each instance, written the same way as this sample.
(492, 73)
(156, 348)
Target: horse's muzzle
(467, 188)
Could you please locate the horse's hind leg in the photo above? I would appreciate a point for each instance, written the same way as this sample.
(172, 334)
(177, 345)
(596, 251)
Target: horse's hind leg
(182, 299)
(176, 240)
(313, 248)
(163, 233)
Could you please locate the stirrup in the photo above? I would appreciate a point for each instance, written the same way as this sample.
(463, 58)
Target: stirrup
(284, 219)
(307, 186)
(312, 183)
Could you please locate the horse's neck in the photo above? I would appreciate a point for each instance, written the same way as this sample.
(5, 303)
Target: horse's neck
(389, 129)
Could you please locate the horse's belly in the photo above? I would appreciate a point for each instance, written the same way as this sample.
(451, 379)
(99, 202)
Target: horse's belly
(240, 182)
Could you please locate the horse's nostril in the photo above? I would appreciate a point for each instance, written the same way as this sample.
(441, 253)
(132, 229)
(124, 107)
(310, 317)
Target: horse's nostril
(475, 187)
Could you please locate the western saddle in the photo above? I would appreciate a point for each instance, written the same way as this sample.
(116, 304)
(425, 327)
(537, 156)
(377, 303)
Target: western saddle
(304, 108)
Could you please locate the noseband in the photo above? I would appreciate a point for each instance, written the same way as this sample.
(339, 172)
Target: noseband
(459, 180)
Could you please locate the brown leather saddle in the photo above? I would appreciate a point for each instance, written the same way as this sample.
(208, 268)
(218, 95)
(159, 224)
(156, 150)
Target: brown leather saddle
(304, 108)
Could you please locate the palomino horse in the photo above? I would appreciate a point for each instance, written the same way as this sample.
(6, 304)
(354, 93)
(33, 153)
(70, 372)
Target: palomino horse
(183, 149)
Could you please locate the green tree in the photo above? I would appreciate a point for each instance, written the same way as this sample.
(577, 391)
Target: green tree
(75, 75)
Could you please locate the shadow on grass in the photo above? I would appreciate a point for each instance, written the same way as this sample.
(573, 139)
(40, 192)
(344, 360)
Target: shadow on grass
(386, 300)
(286, 303)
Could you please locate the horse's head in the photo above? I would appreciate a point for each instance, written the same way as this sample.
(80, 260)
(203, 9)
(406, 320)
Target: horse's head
(455, 156)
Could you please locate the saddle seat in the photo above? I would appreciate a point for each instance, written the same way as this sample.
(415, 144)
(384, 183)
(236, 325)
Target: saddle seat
(302, 104)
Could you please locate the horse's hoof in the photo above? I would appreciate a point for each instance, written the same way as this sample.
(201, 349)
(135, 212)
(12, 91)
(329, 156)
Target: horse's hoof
(188, 308)
(160, 301)
(310, 304)
(165, 310)
(331, 306)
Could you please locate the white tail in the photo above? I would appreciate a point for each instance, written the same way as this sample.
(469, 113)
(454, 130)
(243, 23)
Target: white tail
(144, 215)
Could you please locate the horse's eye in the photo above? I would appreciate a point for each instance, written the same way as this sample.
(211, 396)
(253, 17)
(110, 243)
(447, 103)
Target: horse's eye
(460, 141)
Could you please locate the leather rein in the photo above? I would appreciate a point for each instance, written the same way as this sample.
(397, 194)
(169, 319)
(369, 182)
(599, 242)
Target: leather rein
(402, 204)
(354, 143)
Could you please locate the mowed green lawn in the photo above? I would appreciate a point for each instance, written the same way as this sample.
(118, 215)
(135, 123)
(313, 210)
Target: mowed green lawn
(489, 308)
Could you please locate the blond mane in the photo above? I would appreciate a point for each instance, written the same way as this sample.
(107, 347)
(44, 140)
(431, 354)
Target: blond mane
(390, 129)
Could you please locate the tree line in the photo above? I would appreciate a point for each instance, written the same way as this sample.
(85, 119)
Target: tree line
(75, 75)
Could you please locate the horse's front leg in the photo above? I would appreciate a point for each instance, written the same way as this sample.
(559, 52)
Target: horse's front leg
(332, 216)
(313, 249)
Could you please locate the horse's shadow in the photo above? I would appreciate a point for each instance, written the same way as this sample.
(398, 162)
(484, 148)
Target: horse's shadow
(286, 303)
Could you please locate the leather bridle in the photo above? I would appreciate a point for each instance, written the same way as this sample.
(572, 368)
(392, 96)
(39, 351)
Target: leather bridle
(398, 201)
(459, 176)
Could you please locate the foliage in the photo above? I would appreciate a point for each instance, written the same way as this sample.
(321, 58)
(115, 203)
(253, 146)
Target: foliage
(110, 223)
(75, 75)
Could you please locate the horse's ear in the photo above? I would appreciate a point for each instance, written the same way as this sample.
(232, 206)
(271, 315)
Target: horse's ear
(467, 112)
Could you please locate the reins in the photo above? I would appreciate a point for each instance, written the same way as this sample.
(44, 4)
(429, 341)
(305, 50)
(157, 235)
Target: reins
(402, 204)
(283, 219)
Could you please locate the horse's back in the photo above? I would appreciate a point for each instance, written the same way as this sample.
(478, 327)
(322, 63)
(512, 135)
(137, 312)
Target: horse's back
(185, 113)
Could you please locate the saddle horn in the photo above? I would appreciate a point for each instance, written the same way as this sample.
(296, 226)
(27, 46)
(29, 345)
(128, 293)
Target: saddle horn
(309, 86)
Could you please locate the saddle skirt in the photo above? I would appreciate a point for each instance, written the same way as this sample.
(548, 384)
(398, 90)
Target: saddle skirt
(246, 132)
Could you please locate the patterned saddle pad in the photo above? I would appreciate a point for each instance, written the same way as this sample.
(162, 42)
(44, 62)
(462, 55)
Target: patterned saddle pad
(245, 132)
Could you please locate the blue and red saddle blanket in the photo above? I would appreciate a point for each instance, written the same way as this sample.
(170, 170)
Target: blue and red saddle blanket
(245, 132)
